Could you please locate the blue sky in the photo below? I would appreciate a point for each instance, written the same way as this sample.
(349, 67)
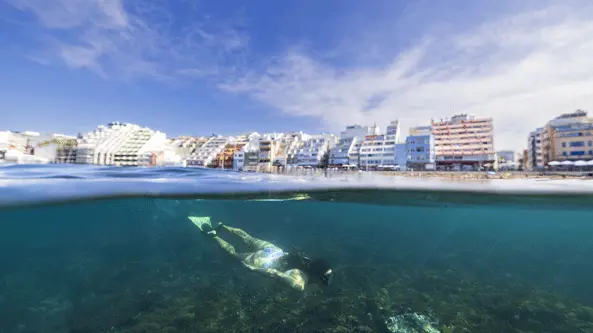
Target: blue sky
(198, 67)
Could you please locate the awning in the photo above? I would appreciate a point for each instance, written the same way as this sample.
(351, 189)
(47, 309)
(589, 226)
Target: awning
(553, 163)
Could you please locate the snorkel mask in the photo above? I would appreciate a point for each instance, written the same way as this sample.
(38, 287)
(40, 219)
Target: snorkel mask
(327, 277)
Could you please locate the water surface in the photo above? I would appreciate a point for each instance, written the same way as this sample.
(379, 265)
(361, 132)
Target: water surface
(89, 249)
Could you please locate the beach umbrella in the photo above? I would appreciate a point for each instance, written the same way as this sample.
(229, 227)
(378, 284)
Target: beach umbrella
(580, 163)
(554, 163)
(567, 163)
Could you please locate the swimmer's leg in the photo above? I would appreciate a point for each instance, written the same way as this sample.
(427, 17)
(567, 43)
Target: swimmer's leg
(252, 242)
(203, 223)
(227, 247)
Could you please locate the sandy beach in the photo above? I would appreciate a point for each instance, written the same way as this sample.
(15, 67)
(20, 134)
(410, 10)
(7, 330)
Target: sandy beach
(455, 175)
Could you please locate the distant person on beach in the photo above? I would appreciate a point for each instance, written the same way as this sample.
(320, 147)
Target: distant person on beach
(293, 268)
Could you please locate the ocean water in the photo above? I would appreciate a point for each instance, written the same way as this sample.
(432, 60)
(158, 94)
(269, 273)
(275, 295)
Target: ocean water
(89, 249)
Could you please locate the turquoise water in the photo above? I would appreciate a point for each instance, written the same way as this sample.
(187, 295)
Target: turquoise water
(86, 249)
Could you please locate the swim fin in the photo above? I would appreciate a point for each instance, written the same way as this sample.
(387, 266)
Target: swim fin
(202, 222)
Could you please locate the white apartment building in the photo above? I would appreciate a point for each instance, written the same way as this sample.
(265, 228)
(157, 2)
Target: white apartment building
(95, 146)
(204, 155)
(288, 147)
(184, 146)
(380, 150)
(247, 157)
(56, 148)
(535, 150)
(346, 151)
(15, 140)
(313, 150)
(143, 147)
(463, 142)
(121, 144)
(33, 147)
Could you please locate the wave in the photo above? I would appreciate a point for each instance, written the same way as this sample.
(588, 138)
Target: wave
(39, 184)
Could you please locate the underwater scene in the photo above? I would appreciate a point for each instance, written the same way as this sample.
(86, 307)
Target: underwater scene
(197, 251)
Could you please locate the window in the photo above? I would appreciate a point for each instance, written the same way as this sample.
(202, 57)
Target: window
(577, 144)
(590, 143)
(563, 144)
(577, 153)
(563, 153)
(590, 152)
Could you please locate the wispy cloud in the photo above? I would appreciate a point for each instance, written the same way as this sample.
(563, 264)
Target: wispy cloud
(521, 70)
(140, 39)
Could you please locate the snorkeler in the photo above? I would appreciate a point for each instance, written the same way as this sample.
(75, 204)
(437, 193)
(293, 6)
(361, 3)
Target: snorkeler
(293, 268)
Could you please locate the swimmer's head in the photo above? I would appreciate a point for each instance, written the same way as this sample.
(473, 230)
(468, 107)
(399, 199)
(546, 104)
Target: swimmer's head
(320, 269)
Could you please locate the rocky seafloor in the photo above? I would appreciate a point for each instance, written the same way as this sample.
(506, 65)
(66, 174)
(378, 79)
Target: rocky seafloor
(143, 297)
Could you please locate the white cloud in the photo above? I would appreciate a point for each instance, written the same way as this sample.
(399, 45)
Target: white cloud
(520, 70)
(140, 39)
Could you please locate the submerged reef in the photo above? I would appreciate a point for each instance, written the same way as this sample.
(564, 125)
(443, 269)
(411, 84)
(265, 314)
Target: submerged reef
(431, 301)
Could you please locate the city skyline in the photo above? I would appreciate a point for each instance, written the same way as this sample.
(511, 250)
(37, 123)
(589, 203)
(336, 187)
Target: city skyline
(196, 68)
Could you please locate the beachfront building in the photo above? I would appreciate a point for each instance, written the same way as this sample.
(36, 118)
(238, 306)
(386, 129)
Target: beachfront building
(570, 137)
(122, 144)
(142, 147)
(378, 151)
(98, 146)
(225, 159)
(204, 156)
(535, 151)
(314, 150)
(33, 147)
(401, 155)
(247, 158)
(56, 148)
(463, 142)
(567, 137)
(269, 145)
(185, 146)
(20, 147)
(288, 146)
(346, 151)
(420, 149)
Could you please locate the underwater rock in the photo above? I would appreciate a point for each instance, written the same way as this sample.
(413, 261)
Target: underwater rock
(410, 323)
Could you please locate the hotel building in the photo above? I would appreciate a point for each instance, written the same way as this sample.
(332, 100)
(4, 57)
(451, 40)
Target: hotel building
(57, 148)
(569, 137)
(346, 151)
(185, 146)
(33, 147)
(420, 149)
(121, 144)
(535, 151)
(247, 158)
(463, 142)
(269, 146)
(143, 147)
(204, 156)
(314, 150)
(379, 151)
(288, 146)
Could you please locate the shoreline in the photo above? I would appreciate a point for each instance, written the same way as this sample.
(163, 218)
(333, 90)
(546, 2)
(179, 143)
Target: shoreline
(448, 175)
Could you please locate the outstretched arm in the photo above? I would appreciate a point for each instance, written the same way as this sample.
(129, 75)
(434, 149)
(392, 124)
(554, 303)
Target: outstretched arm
(291, 281)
